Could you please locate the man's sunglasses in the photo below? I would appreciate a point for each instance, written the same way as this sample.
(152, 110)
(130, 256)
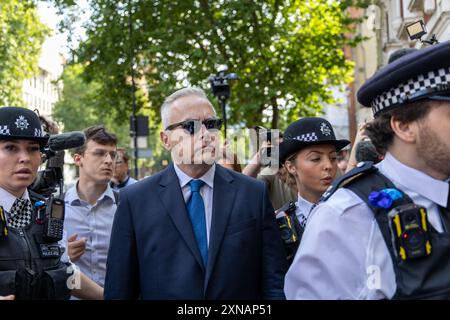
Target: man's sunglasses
(193, 126)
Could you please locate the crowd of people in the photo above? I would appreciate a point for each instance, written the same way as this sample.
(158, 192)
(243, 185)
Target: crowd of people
(369, 221)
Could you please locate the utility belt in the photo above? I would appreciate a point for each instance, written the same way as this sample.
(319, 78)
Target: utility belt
(30, 265)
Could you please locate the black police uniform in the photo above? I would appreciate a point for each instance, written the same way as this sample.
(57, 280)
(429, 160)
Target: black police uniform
(30, 265)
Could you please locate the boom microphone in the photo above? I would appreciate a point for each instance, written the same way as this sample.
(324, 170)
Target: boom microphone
(66, 140)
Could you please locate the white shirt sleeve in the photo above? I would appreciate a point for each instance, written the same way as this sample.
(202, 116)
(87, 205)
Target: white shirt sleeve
(334, 253)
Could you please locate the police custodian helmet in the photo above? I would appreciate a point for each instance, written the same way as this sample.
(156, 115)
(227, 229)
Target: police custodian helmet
(418, 75)
(21, 123)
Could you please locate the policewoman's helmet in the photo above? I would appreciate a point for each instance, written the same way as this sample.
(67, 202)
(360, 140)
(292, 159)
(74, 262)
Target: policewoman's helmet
(306, 132)
(21, 123)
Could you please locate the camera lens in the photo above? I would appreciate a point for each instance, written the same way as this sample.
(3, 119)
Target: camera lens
(415, 239)
(286, 233)
(410, 218)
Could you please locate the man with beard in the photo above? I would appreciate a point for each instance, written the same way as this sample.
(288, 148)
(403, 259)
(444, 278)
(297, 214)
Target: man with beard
(195, 230)
(382, 232)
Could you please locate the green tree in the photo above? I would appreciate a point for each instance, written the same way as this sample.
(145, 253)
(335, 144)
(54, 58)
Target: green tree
(21, 37)
(287, 53)
(82, 105)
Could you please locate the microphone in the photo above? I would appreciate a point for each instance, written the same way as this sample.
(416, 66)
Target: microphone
(66, 140)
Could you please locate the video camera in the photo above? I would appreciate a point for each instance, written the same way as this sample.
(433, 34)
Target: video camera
(51, 177)
(51, 210)
(220, 85)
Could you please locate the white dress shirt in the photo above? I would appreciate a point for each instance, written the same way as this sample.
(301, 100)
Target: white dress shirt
(206, 191)
(93, 222)
(342, 254)
(7, 200)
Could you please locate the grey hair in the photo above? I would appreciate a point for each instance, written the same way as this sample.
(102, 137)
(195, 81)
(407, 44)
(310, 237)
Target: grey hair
(165, 108)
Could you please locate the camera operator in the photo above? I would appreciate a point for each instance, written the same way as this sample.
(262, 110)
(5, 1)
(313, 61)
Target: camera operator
(30, 265)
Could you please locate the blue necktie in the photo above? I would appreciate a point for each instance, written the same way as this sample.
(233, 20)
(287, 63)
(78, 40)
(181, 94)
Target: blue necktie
(196, 210)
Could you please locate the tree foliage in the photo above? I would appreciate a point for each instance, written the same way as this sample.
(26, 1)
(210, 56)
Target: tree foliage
(287, 53)
(21, 37)
(81, 105)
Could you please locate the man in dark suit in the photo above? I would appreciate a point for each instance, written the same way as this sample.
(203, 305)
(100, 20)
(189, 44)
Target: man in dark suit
(195, 230)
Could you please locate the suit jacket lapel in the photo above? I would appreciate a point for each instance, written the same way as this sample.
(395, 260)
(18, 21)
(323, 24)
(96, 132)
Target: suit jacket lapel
(223, 200)
(172, 198)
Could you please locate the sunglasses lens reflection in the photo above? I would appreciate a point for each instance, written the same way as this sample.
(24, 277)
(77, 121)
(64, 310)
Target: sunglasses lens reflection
(193, 126)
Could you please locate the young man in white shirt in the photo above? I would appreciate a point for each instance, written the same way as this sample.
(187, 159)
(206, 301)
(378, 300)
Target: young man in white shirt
(91, 204)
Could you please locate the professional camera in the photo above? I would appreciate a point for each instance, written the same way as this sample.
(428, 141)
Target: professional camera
(220, 84)
(51, 177)
(221, 89)
(50, 210)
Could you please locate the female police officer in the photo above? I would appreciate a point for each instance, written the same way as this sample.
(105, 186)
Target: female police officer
(30, 266)
(308, 152)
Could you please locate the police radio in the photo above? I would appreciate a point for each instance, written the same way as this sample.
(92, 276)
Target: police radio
(409, 230)
(54, 222)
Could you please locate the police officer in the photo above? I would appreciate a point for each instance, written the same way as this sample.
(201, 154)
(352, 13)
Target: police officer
(309, 154)
(30, 265)
(382, 231)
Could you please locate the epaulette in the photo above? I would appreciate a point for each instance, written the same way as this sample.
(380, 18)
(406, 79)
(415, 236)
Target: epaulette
(361, 169)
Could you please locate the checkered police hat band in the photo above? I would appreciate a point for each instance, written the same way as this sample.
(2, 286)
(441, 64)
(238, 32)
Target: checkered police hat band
(305, 137)
(415, 88)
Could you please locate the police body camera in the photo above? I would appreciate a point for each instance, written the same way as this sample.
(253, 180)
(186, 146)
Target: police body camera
(290, 229)
(409, 229)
